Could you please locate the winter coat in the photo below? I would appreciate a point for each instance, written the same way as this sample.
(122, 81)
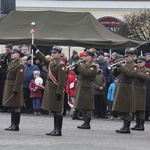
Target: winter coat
(35, 91)
(124, 100)
(14, 79)
(71, 80)
(85, 87)
(99, 81)
(29, 74)
(111, 91)
(141, 77)
(58, 70)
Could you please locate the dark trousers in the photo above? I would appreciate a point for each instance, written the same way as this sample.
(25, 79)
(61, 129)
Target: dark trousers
(28, 101)
(100, 104)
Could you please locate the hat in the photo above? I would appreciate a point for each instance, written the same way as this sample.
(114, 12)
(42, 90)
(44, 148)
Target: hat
(82, 54)
(128, 53)
(89, 53)
(74, 52)
(24, 57)
(16, 51)
(141, 59)
(101, 53)
(36, 72)
(29, 58)
(147, 54)
(56, 49)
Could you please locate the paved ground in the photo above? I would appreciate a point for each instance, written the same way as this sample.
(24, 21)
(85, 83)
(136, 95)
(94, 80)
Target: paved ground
(102, 136)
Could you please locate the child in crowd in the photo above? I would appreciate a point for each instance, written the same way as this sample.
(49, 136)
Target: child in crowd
(110, 96)
(36, 93)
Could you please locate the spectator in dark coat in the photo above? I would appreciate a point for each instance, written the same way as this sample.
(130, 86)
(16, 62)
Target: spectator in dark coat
(75, 57)
(27, 79)
(103, 65)
(99, 99)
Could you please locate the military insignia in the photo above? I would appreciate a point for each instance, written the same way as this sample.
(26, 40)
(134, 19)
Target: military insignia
(91, 68)
(21, 70)
(63, 68)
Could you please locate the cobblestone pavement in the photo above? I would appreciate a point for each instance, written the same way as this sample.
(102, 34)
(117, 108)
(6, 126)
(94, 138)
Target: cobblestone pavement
(102, 135)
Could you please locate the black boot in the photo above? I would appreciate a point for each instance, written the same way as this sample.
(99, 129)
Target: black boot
(15, 126)
(125, 128)
(86, 124)
(12, 121)
(75, 115)
(141, 126)
(52, 132)
(58, 128)
(137, 124)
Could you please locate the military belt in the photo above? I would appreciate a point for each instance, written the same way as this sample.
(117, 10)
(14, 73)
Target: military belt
(85, 79)
(126, 82)
(139, 84)
(10, 78)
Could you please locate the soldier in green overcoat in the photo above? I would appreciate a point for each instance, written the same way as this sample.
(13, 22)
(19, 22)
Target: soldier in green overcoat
(141, 77)
(84, 99)
(53, 98)
(123, 99)
(13, 91)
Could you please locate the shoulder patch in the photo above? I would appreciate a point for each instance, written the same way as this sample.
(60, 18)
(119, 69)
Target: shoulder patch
(21, 70)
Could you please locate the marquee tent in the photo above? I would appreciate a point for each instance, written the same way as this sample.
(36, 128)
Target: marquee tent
(60, 28)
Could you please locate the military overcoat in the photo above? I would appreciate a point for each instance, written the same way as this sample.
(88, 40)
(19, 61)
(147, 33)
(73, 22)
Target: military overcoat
(140, 88)
(58, 70)
(14, 79)
(123, 99)
(85, 91)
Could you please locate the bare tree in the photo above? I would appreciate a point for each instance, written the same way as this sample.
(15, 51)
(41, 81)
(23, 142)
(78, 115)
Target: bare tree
(136, 25)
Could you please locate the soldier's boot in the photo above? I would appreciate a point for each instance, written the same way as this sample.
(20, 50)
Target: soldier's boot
(15, 126)
(141, 126)
(137, 124)
(59, 120)
(86, 124)
(12, 121)
(125, 128)
(75, 115)
(55, 119)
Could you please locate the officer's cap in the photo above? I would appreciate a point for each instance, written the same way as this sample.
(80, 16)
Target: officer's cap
(16, 51)
(56, 49)
(129, 51)
(141, 59)
(147, 54)
(89, 53)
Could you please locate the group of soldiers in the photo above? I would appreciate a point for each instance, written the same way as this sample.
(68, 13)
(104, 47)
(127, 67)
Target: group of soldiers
(130, 95)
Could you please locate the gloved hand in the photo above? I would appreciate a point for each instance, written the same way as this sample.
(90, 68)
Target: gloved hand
(15, 92)
(58, 97)
(34, 47)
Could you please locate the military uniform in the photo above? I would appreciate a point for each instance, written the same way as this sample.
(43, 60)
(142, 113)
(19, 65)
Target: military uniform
(84, 99)
(53, 98)
(13, 91)
(124, 93)
(141, 77)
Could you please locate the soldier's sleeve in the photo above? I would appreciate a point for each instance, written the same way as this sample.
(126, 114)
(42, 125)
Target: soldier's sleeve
(128, 72)
(19, 78)
(42, 57)
(92, 70)
(143, 75)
